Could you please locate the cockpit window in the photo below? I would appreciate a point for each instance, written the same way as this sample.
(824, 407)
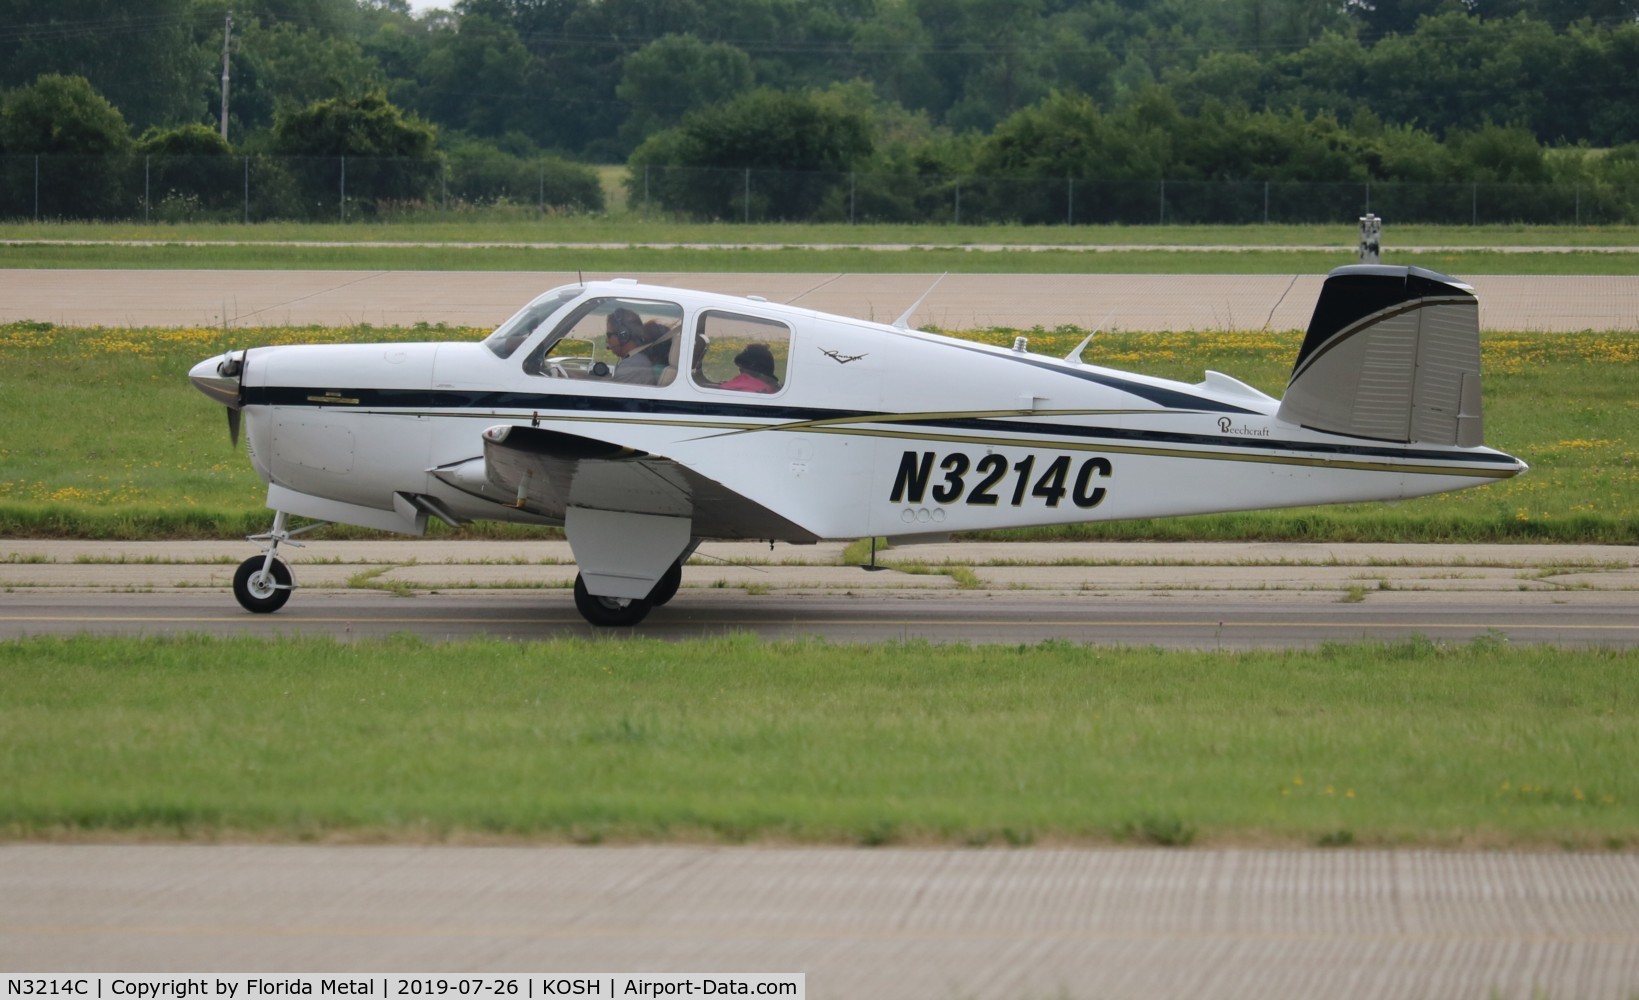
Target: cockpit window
(617, 339)
(741, 353)
(512, 334)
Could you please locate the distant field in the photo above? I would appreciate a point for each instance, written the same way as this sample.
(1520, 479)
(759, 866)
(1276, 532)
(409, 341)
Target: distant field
(630, 244)
(626, 228)
(732, 740)
(105, 438)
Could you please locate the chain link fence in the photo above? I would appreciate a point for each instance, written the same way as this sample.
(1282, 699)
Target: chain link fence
(267, 188)
(349, 189)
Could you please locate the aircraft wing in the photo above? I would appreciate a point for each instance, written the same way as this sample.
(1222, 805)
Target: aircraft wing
(546, 472)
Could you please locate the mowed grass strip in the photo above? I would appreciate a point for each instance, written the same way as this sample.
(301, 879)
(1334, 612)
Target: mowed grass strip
(853, 259)
(521, 226)
(736, 740)
(105, 438)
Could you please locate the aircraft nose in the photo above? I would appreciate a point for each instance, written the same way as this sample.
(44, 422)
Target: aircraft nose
(218, 378)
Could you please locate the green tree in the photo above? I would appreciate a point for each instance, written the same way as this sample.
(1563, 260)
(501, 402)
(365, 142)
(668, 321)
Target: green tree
(66, 142)
(1496, 153)
(284, 67)
(142, 56)
(190, 172)
(989, 56)
(483, 173)
(674, 75)
(365, 146)
(64, 115)
(1379, 18)
(367, 126)
(474, 78)
(799, 146)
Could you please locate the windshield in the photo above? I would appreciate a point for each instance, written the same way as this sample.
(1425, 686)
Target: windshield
(624, 339)
(509, 336)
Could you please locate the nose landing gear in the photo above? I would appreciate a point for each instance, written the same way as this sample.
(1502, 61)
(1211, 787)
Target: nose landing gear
(263, 583)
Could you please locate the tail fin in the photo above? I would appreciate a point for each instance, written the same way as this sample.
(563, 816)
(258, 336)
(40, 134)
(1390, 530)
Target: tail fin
(1392, 354)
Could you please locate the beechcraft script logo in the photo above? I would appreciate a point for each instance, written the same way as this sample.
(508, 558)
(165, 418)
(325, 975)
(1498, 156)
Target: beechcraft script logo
(838, 357)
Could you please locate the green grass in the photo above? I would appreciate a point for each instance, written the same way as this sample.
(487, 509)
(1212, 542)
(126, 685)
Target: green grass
(790, 260)
(105, 439)
(789, 248)
(733, 740)
(623, 227)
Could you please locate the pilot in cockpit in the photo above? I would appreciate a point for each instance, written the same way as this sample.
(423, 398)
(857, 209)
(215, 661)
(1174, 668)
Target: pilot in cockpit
(625, 336)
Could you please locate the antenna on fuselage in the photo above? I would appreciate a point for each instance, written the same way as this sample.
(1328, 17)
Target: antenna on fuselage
(1075, 355)
(903, 322)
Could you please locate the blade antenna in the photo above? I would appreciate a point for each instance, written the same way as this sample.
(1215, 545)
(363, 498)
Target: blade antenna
(903, 322)
(1075, 355)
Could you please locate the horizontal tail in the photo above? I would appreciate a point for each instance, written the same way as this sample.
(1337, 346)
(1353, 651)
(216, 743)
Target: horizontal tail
(1392, 354)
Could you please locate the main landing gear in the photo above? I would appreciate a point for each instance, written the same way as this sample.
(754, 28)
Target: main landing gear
(263, 583)
(623, 612)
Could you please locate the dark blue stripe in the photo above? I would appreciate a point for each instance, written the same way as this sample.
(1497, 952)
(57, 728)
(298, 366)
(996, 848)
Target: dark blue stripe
(522, 403)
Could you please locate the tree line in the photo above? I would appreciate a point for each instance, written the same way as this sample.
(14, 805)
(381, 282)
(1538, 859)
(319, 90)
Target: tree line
(686, 92)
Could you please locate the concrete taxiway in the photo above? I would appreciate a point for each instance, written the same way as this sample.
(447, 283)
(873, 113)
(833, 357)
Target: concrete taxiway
(1174, 595)
(902, 923)
(957, 302)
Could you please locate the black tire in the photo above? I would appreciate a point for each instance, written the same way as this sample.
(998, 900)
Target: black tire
(255, 591)
(666, 587)
(609, 612)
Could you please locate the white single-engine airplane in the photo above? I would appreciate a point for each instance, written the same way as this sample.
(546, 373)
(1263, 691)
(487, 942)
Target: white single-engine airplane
(646, 419)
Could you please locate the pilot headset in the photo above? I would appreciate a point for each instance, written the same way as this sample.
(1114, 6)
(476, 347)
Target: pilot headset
(627, 326)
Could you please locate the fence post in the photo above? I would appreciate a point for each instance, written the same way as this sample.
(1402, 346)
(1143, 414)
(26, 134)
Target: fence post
(146, 196)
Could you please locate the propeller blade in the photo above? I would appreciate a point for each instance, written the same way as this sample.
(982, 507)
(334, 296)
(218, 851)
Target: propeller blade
(233, 426)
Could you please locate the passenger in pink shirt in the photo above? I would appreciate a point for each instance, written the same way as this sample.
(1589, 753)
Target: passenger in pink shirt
(756, 364)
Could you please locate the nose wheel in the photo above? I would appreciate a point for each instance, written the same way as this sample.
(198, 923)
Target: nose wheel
(262, 585)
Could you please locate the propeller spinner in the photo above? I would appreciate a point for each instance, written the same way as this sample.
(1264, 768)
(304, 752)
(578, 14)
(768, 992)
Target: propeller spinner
(218, 378)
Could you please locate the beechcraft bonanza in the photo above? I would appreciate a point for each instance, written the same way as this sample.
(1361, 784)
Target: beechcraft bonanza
(645, 419)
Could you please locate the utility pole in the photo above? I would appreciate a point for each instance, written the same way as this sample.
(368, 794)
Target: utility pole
(227, 32)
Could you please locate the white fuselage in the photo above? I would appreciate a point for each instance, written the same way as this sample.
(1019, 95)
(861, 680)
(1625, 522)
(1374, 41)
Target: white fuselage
(874, 430)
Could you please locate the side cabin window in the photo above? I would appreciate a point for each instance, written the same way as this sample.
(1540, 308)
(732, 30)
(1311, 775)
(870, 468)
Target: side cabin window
(737, 353)
(617, 339)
